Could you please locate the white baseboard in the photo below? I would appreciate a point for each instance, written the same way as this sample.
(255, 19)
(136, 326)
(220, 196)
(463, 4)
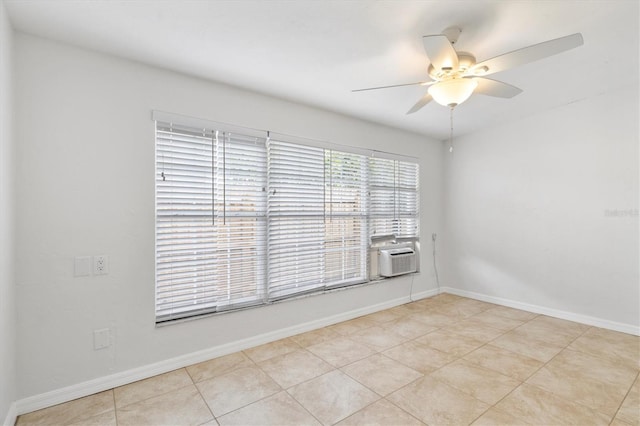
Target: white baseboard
(424, 294)
(556, 313)
(12, 415)
(100, 384)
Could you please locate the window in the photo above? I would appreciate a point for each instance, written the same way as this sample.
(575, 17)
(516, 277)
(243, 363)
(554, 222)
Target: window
(244, 219)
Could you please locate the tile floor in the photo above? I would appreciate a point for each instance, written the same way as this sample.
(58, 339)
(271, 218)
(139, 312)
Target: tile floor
(445, 360)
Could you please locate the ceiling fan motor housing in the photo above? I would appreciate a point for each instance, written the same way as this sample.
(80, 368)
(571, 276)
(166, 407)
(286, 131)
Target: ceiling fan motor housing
(465, 62)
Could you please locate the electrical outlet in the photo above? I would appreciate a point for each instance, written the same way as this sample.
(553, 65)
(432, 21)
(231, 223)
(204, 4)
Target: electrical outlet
(100, 265)
(101, 339)
(433, 236)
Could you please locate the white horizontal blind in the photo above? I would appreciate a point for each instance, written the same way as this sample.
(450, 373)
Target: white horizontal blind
(407, 199)
(240, 164)
(208, 255)
(184, 210)
(394, 197)
(382, 196)
(346, 229)
(296, 218)
(242, 220)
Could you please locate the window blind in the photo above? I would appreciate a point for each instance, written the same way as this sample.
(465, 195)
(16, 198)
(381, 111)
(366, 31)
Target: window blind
(210, 220)
(345, 228)
(243, 220)
(239, 224)
(395, 197)
(296, 218)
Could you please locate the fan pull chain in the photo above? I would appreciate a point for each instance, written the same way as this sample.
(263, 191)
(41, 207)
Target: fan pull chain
(451, 132)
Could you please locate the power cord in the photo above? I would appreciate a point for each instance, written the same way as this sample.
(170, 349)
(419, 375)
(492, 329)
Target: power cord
(413, 277)
(435, 268)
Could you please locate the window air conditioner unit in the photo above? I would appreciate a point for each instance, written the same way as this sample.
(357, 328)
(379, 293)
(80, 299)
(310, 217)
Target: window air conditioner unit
(397, 261)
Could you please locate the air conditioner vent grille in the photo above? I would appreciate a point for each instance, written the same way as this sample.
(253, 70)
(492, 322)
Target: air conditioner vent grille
(398, 261)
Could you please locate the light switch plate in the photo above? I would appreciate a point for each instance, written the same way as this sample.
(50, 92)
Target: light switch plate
(82, 266)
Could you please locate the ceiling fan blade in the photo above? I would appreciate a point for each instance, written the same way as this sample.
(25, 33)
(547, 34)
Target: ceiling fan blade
(421, 83)
(489, 87)
(422, 102)
(440, 52)
(528, 54)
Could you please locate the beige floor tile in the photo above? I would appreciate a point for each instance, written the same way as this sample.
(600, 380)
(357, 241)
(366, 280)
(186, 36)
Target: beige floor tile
(463, 308)
(523, 344)
(574, 328)
(580, 386)
(493, 417)
(517, 314)
(434, 319)
(341, 351)
(236, 389)
(436, 403)
(381, 374)
(349, 327)
(401, 310)
(604, 370)
(104, 419)
(470, 328)
(314, 337)
(629, 411)
(535, 406)
(453, 344)
(381, 413)
(419, 357)
(415, 306)
(295, 367)
(153, 386)
(611, 345)
(429, 302)
(218, 366)
(446, 298)
(552, 330)
(72, 411)
(269, 350)
(383, 316)
(279, 409)
(509, 363)
(483, 384)
(180, 407)
(332, 396)
(408, 327)
(378, 338)
(496, 321)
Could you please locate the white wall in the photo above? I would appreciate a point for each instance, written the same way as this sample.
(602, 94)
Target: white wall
(529, 210)
(85, 186)
(7, 282)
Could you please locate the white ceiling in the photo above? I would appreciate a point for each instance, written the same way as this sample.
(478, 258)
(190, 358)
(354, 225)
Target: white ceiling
(316, 52)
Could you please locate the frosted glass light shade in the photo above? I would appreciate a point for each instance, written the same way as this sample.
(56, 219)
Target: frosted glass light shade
(453, 92)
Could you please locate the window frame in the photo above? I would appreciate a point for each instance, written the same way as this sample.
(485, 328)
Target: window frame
(361, 217)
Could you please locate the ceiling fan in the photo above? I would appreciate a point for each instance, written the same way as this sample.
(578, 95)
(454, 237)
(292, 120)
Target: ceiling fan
(455, 76)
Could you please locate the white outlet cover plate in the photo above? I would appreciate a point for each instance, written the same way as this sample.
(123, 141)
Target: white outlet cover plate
(100, 264)
(101, 338)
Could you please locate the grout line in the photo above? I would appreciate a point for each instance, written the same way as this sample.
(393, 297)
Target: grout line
(625, 398)
(205, 403)
(115, 409)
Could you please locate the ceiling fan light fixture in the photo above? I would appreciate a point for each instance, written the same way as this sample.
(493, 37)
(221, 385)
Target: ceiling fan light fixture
(452, 92)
